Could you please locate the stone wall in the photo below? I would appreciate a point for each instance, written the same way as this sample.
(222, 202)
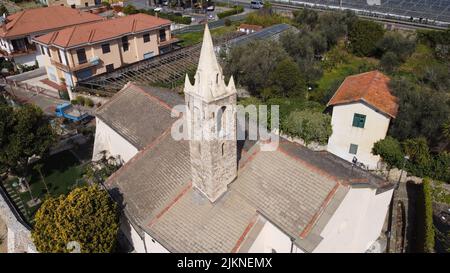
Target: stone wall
(19, 237)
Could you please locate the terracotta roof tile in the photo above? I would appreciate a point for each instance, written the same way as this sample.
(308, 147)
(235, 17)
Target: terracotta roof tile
(253, 27)
(100, 31)
(370, 87)
(45, 19)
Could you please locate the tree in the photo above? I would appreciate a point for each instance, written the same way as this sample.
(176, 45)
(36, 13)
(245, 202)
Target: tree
(420, 160)
(86, 216)
(309, 125)
(28, 134)
(421, 111)
(252, 63)
(390, 151)
(363, 36)
(307, 17)
(3, 10)
(38, 167)
(286, 79)
(395, 42)
(130, 9)
(390, 61)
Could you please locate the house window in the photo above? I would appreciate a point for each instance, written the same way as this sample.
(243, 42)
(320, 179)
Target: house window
(162, 35)
(220, 119)
(146, 38)
(48, 52)
(59, 57)
(353, 149)
(359, 120)
(42, 49)
(81, 55)
(72, 6)
(86, 4)
(105, 48)
(125, 43)
(109, 67)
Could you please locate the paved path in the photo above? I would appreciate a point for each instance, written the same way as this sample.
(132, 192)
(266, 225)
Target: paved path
(46, 103)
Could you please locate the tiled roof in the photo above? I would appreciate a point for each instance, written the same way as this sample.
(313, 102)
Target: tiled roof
(102, 31)
(371, 88)
(139, 114)
(45, 19)
(293, 187)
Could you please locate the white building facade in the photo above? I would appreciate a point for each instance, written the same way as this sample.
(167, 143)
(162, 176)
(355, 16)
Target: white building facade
(362, 109)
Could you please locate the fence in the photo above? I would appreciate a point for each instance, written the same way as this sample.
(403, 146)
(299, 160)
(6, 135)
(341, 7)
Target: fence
(32, 88)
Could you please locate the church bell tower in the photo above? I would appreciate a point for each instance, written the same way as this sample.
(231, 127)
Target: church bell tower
(211, 124)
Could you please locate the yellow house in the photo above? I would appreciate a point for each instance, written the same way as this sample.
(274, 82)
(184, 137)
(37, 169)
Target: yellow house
(79, 52)
(71, 3)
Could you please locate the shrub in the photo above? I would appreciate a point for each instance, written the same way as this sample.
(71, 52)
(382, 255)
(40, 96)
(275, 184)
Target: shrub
(235, 10)
(390, 151)
(86, 215)
(425, 216)
(75, 102)
(227, 22)
(88, 102)
(310, 126)
(81, 100)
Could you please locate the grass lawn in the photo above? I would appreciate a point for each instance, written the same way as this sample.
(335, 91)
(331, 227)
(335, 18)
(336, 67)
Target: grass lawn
(62, 172)
(192, 38)
(29, 5)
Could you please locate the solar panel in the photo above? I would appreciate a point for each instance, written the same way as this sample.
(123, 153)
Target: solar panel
(438, 10)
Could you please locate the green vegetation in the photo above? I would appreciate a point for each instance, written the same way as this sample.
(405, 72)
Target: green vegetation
(234, 11)
(192, 38)
(425, 227)
(363, 36)
(440, 194)
(390, 150)
(24, 132)
(84, 101)
(59, 174)
(86, 216)
(310, 126)
(265, 20)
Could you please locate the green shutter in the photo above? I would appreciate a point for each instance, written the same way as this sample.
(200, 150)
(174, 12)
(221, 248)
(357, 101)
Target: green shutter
(353, 149)
(359, 120)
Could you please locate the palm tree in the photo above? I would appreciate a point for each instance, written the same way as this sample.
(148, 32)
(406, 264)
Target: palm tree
(38, 168)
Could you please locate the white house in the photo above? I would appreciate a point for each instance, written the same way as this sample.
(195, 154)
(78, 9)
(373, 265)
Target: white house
(228, 195)
(363, 107)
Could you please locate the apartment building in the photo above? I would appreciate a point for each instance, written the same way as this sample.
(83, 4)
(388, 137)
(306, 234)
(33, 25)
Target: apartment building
(79, 52)
(18, 30)
(72, 3)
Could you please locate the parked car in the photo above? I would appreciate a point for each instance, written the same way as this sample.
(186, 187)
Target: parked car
(211, 8)
(256, 4)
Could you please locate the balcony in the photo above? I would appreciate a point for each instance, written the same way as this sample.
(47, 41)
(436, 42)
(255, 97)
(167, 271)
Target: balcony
(92, 62)
(19, 52)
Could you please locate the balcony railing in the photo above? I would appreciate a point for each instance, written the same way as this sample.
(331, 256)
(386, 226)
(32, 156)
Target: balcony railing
(19, 52)
(91, 62)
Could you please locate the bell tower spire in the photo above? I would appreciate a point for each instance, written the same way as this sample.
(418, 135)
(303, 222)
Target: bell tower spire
(211, 124)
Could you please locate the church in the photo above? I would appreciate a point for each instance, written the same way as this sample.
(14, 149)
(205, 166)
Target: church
(206, 194)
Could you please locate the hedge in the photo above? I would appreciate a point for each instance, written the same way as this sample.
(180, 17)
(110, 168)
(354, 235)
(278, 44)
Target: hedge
(235, 10)
(425, 227)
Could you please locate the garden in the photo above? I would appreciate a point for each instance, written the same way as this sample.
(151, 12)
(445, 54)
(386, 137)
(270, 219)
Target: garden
(57, 175)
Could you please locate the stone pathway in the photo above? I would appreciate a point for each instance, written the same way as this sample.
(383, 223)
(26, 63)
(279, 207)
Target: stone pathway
(17, 200)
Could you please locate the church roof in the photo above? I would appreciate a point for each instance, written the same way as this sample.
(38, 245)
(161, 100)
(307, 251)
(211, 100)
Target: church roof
(293, 187)
(131, 111)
